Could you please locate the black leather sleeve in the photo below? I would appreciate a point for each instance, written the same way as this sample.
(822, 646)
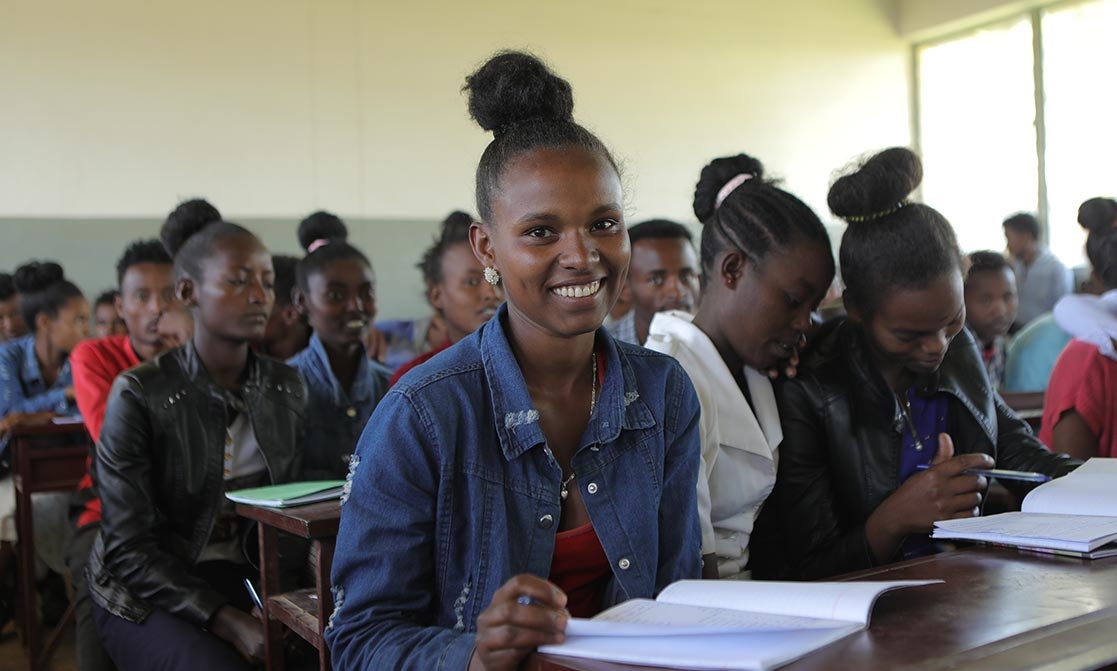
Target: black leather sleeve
(818, 539)
(132, 523)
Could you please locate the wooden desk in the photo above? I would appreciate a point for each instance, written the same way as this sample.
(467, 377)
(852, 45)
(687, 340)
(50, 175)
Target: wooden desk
(999, 609)
(305, 611)
(45, 458)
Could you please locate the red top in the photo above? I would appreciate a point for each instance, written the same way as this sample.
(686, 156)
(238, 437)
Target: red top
(95, 364)
(422, 358)
(1083, 380)
(580, 569)
(579, 565)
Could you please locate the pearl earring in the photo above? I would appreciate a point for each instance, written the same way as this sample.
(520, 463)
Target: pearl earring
(492, 275)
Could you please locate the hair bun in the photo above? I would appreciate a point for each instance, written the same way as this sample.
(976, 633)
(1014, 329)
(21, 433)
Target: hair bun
(877, 186)
(1098, 215)
(457, 220)
(37, 275)
(716, 175)
(185, 221)
(321, 225)
(513, 87)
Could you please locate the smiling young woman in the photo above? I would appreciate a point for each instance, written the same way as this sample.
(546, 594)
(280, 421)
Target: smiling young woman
(892, 405)
(537, 469)
(336, 291)
(456, 286)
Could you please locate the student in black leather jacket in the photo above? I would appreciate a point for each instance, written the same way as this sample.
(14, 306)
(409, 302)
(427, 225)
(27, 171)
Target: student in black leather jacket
(179, 432)
(893, 404)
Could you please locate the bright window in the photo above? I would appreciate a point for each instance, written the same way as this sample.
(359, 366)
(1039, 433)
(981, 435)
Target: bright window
(1081, 114)
(979, 133)
(978, 140)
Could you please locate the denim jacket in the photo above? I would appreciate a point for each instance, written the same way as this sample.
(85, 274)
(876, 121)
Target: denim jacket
(21, 383)
(453, 491)
(334, 419)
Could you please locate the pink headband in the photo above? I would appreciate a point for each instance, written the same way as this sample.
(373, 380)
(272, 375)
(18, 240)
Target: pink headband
(729, 187)
(320, 242)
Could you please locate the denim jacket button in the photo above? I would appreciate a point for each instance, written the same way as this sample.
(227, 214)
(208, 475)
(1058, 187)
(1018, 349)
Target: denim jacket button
(592, 488)
(594, 448)
(546, 522)
(352, 412)
(624, 564)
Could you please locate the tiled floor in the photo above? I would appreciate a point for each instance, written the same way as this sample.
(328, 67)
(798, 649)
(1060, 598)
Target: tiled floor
(12, 656)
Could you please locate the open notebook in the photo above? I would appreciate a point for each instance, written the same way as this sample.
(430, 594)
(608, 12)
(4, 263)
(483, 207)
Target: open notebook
(724, 624)
(1076, 513)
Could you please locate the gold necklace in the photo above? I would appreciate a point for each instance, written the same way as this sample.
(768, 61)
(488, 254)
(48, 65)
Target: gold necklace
(563, 491)
(905, 410)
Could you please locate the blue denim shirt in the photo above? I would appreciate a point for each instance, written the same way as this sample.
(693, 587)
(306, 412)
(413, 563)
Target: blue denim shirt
(21, 383)
(453, 491)
(335, 419)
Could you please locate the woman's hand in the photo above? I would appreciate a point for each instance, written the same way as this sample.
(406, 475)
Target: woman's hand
(243, 631)
(525, 613)
(942, 492)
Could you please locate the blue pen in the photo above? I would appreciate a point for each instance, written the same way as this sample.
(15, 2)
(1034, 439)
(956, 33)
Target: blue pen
(252, 593)
(1000, 473)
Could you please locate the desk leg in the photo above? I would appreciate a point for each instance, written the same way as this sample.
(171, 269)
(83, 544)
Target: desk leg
(325, 596)
(269, 587)
(26, 587)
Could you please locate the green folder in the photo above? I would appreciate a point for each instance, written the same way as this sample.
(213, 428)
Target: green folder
(290, 494)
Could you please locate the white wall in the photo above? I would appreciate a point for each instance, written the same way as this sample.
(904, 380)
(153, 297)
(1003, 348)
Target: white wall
(271, 108)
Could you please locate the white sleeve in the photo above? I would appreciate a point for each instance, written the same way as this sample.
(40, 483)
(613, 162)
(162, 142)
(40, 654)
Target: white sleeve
(1092, 319)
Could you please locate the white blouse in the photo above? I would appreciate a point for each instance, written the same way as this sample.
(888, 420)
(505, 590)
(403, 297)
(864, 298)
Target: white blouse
(739, 448)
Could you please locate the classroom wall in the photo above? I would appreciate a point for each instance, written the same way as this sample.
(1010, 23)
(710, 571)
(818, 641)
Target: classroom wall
(116, 109)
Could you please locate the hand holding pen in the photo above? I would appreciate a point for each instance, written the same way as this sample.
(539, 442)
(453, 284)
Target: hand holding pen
(525, 613)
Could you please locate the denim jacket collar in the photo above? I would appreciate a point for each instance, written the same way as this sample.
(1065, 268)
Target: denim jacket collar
(360, 392)
(517, 420)
(32, 375)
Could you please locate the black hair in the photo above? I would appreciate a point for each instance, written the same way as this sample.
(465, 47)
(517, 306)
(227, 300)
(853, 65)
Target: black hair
(43, 287)
(985, 262)
(106, 297)
(1023, 222)
(527, 107)
(1099, 217)
(754, 218)
(7, 286)
(141, 251)
(454, 230)
(889, 243)
(187, 215)
(327, 228)
(659, 229)
(285, 268)
(188, 241)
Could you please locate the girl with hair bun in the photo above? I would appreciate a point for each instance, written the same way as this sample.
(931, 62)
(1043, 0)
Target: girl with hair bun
(892, 406)
(456, 286)
(35, 370)
(537, 469)
(1081, 399)
(336, 292)
(766, 264)
(36, 383)
(181, 430)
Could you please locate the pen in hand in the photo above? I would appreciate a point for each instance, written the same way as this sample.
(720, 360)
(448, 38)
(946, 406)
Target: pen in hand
(1000, 473)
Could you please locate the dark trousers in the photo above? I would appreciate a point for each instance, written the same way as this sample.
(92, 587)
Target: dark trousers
(165, 642)
(91, 654)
